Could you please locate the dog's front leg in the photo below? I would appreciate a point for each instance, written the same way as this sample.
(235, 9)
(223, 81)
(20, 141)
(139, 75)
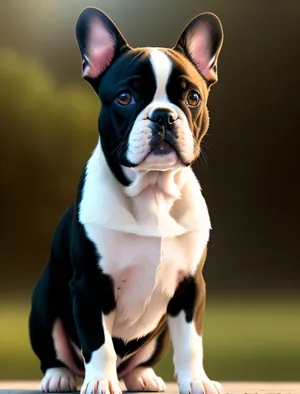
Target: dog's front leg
(93, 306)
(185, 320)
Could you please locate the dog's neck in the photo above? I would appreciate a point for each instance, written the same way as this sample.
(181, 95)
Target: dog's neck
(153, 193)
(157, 203)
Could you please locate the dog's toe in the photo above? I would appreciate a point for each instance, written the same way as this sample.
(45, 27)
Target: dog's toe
(201, 385)
(101, 386)
(58, 380)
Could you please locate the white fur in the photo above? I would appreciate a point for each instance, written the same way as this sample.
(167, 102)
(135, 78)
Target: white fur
(188, 358)
(140, 135)
(188, 352)
(145, 241)
(162, 67)
(105, 204)
(101, 370)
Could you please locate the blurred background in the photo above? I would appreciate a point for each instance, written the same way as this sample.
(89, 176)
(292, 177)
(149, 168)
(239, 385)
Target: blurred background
(249, 175)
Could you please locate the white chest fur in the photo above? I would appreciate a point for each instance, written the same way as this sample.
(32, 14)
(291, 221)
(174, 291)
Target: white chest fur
(145, 242)
(145, 270)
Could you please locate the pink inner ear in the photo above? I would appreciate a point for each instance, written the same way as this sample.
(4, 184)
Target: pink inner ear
(101, 49)
(198, 44)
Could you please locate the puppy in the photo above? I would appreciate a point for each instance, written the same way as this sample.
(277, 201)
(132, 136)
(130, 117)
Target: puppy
(125, 269)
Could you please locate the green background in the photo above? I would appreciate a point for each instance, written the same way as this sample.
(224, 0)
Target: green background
(245, 338)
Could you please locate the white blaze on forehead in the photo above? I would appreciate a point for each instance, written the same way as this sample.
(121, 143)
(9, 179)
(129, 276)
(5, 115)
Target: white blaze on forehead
(162, 67)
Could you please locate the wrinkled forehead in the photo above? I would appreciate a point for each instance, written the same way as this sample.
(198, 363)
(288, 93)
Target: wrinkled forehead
(153, 68)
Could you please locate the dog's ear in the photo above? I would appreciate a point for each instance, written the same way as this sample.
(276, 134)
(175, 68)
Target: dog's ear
(99, 41)
(201, 42)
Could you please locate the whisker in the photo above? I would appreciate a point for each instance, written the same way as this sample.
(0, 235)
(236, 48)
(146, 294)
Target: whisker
(208, 144)
(118, 149)
(203, 155)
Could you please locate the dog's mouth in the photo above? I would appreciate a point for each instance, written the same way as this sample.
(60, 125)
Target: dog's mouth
(163, 156)
(163, 152)
(162, 148)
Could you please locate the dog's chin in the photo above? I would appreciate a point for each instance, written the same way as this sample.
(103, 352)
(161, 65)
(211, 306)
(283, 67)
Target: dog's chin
(160, 162)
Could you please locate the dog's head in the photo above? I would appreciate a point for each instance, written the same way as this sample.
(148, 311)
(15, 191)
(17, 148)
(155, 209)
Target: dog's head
(153, 100)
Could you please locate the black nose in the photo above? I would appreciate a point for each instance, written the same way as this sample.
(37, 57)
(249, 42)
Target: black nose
(163, 117)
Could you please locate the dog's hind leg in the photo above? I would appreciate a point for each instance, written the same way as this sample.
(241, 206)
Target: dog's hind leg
(138, 375)
(57, 375)
(51, 310)
(49, 340)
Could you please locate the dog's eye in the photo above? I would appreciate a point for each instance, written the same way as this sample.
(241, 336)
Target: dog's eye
(193, 99)
(125, 98)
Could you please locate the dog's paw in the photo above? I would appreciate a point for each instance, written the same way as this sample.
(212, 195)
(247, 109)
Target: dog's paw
(143, 379)
(200, 385)
(58, 380)
(101, 386)
(206, 386)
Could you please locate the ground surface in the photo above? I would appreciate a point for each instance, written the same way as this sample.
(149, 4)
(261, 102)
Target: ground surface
(245, 339)
(31, 387)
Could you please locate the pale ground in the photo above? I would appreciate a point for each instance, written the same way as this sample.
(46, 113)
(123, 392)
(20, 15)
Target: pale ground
(18, 387)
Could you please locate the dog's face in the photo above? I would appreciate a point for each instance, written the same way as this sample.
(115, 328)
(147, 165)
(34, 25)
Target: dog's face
(154, 100)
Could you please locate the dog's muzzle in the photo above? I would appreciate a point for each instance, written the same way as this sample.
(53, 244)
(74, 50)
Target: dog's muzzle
(164, 135)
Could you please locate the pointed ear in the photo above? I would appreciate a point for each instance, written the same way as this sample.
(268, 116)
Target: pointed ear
(201, 42)
(99, 41)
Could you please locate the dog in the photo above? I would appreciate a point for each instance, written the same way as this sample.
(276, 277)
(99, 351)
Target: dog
(124, 276)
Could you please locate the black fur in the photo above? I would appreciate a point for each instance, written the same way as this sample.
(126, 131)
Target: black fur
(184, 299)
(133, 73)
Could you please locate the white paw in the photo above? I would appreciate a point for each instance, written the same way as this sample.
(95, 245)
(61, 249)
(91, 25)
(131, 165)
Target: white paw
(143, 379)
(58, 380)
(201, 385)
(101, 386)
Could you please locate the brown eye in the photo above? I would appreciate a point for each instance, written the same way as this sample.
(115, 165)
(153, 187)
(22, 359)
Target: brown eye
(125, 98)
(193, 99)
